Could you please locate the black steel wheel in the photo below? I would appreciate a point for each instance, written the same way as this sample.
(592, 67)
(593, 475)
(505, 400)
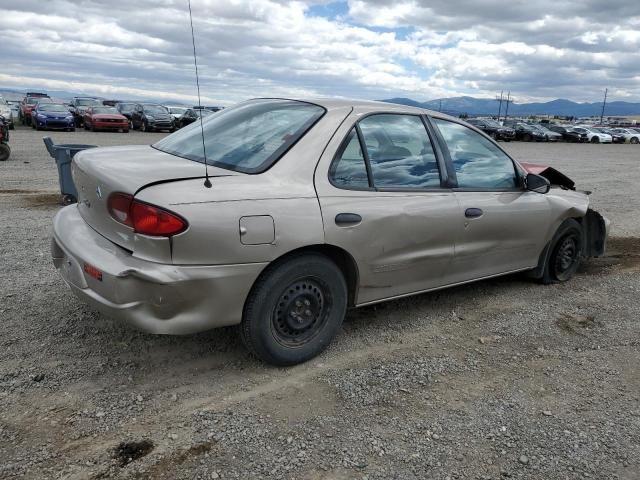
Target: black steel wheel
(565, 253)
(295, 309)
(5, 152)
(301, 312)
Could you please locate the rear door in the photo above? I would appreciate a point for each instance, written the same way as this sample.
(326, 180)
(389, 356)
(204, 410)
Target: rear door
(382, 200)
(501, 227)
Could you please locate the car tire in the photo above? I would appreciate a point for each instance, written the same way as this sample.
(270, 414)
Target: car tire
(5, 152)
(294, 310)
(634, 140)
(126, 130)
(143, 126)
(73, 129)
(565, 253)
(12, 126)
(131, 125)
(527, 138)
(595, 140)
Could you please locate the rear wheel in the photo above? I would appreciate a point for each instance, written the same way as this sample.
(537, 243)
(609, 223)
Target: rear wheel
(143, 126)
(566, 253)
(5, 152)
(527, 138)
(294, 310)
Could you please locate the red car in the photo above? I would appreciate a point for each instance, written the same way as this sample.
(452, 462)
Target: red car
(105, 118)
(29, 103)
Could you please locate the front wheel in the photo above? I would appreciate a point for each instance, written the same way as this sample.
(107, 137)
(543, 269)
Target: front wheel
(566, 253)
(634, 140)
(294, 310)
(595, 140)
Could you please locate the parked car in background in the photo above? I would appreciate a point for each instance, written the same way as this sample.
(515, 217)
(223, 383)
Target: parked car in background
(493, 129)
(110, 103)
(79, 105)
(629, 135)
(6, 113)
(550, 135)
(568, 135)
(527, 133)
(615, 137)
(15, 109)
(127, 109)
(371, 212)
(176, 113)
(192, 114)
(593, 135)
(30, 100)
(149, 117)
(105, 118)
(52, 116)
(5, 149)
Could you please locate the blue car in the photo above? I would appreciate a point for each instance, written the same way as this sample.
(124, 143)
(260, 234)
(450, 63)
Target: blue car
(52, 116)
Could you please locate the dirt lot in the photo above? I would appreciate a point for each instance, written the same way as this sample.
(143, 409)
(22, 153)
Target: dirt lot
(500, 379)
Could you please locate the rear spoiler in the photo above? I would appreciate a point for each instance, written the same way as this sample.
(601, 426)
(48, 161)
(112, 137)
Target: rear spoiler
(554, 176)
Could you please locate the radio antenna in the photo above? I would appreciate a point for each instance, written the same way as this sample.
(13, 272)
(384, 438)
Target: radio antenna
(207, 182)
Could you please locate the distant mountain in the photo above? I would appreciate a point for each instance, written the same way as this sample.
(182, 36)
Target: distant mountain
(488, 106)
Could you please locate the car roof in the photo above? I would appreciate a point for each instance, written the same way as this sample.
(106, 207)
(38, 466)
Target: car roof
(364, 106)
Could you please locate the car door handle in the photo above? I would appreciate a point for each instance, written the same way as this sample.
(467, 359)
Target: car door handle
(473, 212)
(346, 219)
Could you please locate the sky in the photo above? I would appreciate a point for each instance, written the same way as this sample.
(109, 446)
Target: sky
(370, 49)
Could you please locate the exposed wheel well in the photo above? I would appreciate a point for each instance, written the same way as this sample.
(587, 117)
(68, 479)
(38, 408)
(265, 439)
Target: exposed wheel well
(339, 256)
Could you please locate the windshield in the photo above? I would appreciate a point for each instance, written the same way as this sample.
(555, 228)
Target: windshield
(105, 110)
(86, 102)
(34, 100)
(492, 123)
(126, 107)
(52, 107)
(154, 109)
(177, 110)
(247, 138)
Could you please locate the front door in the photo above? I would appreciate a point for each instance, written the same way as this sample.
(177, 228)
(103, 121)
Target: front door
(501, 226)
(383, 203)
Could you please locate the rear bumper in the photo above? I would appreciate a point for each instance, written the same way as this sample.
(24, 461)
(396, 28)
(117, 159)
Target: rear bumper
(154, 297)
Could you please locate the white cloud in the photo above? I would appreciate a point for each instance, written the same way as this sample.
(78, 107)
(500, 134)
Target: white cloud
(369, 48)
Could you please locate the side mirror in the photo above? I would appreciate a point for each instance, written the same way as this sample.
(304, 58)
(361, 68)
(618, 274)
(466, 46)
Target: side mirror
(536, 183)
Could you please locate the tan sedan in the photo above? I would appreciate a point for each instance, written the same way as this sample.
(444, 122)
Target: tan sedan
(307, 208)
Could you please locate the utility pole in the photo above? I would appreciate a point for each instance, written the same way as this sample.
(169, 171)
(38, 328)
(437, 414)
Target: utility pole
(440, 106)
(606, 90)
(500, 104)
(506, 111)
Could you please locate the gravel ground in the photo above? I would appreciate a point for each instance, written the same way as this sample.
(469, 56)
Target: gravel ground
(499, 379)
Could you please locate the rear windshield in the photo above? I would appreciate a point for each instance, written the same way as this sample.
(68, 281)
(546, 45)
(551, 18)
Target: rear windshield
(86, 102)
(248, 138)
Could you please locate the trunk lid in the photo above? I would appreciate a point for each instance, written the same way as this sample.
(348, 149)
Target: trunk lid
(98, 172)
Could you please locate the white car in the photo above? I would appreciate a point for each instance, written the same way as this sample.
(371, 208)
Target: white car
(594, 136)
(176, 112)
(629, 135)
(5, 111)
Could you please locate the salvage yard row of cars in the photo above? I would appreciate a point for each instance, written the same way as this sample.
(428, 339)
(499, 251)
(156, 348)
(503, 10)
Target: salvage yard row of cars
(551, 132)
(41, 112)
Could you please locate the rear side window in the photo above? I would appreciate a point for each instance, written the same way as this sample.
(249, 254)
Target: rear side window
(350, 170)
(247, 138)
(400, 152)
(478, 162)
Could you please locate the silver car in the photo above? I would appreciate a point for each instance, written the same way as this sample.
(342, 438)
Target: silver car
(304, 209)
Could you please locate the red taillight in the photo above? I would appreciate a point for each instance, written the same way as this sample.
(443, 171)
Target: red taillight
(143, 217)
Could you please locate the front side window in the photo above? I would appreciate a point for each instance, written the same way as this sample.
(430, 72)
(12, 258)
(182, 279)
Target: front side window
(400, 152)
(247, 138)
(478, 162)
